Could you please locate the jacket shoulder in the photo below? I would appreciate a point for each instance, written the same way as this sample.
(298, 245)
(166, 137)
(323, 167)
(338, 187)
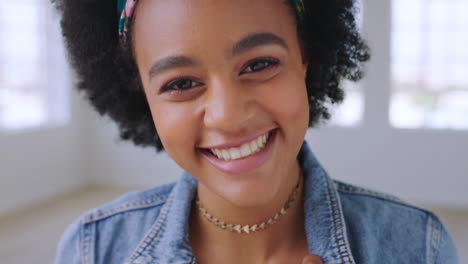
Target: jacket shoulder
(379, 208)
(380, 224)
(369, 194)
(134, 200)
(121, 223)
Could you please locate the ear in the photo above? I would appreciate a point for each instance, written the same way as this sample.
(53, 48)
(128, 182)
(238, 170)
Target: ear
(305, 62)
(305, 66)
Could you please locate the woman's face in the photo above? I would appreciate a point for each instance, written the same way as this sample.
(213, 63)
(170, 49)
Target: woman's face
(225, 82)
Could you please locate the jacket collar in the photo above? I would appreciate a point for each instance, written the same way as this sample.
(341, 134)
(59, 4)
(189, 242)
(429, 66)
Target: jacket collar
(168, 241)
(324, 219)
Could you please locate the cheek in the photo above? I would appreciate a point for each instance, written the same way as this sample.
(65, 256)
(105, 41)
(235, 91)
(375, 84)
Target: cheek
(176, 128)
(287, 100)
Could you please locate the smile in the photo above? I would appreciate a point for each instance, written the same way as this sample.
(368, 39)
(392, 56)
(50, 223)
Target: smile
(245, 150)
(244, 157)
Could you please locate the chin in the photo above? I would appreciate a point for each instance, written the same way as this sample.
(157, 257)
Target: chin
(257, 192)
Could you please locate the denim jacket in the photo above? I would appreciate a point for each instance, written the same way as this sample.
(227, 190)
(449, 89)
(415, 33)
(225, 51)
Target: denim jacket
(344, 224)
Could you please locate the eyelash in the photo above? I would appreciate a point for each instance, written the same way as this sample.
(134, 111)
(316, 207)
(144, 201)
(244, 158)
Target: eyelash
(170, 85)
(270, 64)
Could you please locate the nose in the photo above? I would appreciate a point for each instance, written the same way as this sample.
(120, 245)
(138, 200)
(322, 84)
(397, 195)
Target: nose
(229, 107)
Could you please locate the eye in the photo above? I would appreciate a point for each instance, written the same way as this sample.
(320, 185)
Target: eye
(259, 65)
(180, 85)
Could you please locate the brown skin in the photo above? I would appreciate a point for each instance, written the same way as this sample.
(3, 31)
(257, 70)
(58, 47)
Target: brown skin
(226, 103)
(312, 259)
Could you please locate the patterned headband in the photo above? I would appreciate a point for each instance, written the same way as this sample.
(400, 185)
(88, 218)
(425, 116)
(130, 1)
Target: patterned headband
(126, 8)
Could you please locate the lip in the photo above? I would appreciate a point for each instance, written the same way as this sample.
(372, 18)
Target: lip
(237, 144)
(244, 165)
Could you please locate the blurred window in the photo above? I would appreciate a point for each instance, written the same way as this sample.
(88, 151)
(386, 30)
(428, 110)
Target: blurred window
(31, 66)
(429, 64)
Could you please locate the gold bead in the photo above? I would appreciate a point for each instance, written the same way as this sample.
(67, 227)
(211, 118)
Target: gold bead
(276, 217)
(282, 212)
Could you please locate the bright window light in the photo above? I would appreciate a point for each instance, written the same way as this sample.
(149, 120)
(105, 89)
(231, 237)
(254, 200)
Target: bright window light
(30, 59)
(429, 64)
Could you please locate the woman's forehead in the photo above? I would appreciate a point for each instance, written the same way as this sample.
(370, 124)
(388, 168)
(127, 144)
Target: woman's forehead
(181, 24)
(185, 17)
(219, 6)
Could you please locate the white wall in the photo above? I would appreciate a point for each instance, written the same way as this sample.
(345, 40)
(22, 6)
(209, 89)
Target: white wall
(424, 167)
(41, 164)
(115, 162)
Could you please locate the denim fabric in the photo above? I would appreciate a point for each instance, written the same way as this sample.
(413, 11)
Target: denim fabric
(344, 224)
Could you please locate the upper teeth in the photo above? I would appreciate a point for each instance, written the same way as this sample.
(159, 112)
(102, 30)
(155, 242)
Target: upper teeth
(243, 151)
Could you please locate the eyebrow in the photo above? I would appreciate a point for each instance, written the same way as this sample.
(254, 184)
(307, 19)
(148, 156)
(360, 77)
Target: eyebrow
(170, 62)
(245, 44)
(257, 39)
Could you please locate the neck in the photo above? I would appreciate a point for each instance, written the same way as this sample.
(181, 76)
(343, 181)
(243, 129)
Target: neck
(286, 235)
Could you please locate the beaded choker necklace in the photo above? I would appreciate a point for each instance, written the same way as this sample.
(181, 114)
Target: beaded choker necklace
(248, 229)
